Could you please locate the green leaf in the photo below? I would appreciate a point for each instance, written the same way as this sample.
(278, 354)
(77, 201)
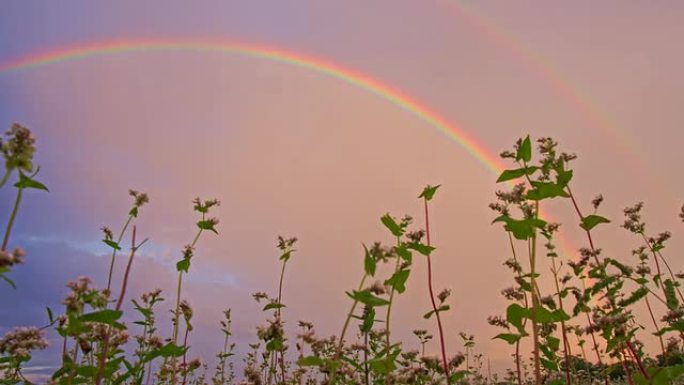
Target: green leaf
(404, 253)
(310, 361)
(670, 296)
(421, 248)
(207, 225)
(542, 315)
(369, 263)
(27, 182)
(559, 315)
(507, 175)
(392, 225)
(508, 337)
(273, 305)
(634, 297)
(133, 212)
(183, 265)
(168, 350)
(286, 256)
(458, 376)
(524, 152)
(105, 316)
(428, 192)
(546, 190)
(112, 244)
(515, 315)
(367, 298)
(521, 229)
(591, 221)
(51, 318)
(398, 280)
(8, 280)
(368, 321)
(439, 310)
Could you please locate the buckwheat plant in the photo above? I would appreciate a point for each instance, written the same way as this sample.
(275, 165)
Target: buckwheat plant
(17, 148)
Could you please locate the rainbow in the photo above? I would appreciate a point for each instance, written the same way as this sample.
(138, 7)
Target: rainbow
(548, 72)
(319, 65)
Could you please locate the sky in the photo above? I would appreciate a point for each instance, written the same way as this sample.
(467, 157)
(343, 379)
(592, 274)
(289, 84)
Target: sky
(292, 151)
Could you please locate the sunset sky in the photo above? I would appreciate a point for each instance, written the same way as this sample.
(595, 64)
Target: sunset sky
(292, 150)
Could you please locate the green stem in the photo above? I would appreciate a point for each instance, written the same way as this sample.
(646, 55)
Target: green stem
(13, 216)
(111, 264)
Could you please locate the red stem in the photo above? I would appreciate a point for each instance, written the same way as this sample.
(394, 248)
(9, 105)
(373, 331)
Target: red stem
(432, 296)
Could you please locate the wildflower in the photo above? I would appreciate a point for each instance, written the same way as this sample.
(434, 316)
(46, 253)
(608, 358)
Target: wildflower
(286, 244)
(151, 296)
(498, 321)
(20, 341)
(186, 310)
(549, 302)
(204, 207)
(139, 199)
(377, 288)
(107, 233)
(443, 295)
(416, 236)
(633, 222)
(513, 293)
(8, 259)
(596, 202)
(258, 296)
(18, 149)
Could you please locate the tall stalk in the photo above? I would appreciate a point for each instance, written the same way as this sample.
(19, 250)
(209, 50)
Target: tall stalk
(445, 363)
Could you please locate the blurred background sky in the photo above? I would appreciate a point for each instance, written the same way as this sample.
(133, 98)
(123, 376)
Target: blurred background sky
(292, 152)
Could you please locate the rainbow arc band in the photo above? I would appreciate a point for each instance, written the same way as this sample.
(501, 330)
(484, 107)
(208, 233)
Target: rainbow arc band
(308, 62)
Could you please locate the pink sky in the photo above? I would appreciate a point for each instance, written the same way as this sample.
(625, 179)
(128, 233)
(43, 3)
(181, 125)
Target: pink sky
(293, 152)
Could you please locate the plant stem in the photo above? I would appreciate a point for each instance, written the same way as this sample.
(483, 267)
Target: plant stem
(445, 364)
(111, 263)
(13, 216)
(105, 347)
(566, 346)
(655, 324)
(535, 302)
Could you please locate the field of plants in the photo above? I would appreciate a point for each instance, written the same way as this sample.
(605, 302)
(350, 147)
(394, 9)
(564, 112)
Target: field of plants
(584, 330)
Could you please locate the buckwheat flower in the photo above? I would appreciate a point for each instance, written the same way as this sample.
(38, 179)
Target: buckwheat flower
(194, 364)
(512, 293)
(258, 296)
(420, 333)
(565, 157)
(9, 259)
(513, 265)
(286, 244)
(107, 233)
(455, 361)
(549, 302)
(415, 236)
(187, 252)
(186, 310)
(18, 149)
(507, 155)
(150, 296)
(443, 295)
(377, 288)
(498, 321)
(139, 199)
(552, 227)
(19, 342)
(597, 201)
